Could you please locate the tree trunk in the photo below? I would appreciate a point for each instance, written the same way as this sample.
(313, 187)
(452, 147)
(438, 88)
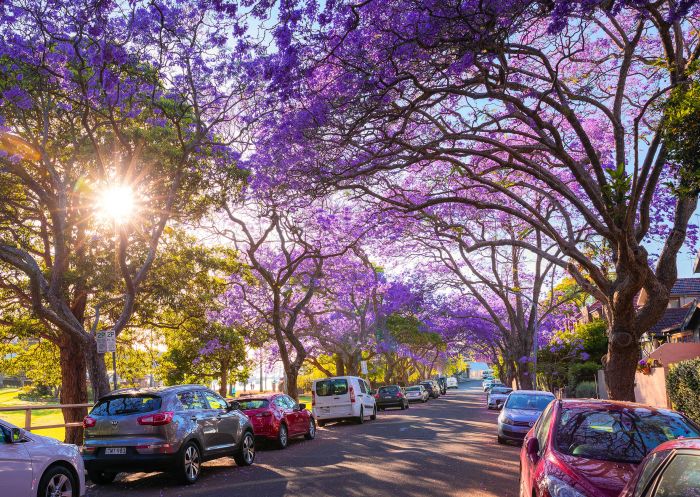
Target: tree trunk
(525, 378)
(621, 363)
(73, 385)
(97, 369)
(291, 385)
(223, 382)
(339, 365)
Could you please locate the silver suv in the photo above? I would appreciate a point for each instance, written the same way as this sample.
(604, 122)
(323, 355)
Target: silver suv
(164, 429)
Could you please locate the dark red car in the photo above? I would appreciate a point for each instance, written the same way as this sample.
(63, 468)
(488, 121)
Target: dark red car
(591, 448)
(278, 417)
(672, 469)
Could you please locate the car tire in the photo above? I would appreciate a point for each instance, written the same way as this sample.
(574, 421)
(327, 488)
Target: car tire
(361, 418)
(374, 414)
(189, 463)
(403, 406)
(501, 440)
(245, 456)
(101, 477)
(408, 405)
(311, 434)
(321, 424)
(282, 436)
(55, 478)
(424, 401)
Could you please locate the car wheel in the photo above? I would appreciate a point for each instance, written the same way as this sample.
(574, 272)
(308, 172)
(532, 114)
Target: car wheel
(311, 434)
(321, 424)
(58, 481)
(374, 414)
(501, 440)
(246, 454)
(282, 437)
(408, 405)
(189, 463)
(424, 401)
(403, 406)
(361, 419)
(101, 477)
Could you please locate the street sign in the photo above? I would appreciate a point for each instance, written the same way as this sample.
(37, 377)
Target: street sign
(363, 367)
(106, 341)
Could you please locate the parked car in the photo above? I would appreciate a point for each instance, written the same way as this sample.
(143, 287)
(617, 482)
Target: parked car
(493, 384)
(433, 391)
(417, 393)
(497, 396)
(487, 383)
(673, 468)
(520, 412)
(391, 396)
(342, 397)
(452, 382)
(591, 448)
(278, 417)
(164, 429)
(36, 466)
(442, 384)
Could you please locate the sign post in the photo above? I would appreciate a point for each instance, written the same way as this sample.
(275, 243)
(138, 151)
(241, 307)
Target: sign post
(107, 342)
(363, 367)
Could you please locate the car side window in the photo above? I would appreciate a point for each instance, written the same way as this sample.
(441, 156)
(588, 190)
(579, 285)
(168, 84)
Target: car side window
(191, 400)
(542, 429)
(279, 402)
(363, 387)
(289, 402)
(647, 473)
(680, 478)
(215, 401)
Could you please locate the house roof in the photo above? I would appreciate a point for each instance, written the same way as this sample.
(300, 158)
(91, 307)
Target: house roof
(686, 286)
(670, 353)
(671, 319)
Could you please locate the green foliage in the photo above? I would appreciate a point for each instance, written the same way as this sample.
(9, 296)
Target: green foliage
(681, 132)
(582, 372)
(586, 390)
(683, 386)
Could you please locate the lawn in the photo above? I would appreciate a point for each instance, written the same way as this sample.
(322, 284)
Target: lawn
(8, 397)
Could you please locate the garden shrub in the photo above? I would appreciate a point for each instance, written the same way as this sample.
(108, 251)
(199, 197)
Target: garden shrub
(586, 390)
(683, 386)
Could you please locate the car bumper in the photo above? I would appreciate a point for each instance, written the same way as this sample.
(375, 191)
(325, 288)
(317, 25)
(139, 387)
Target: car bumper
(131, 462)
(390, 403)
(414, 399)
(511, 432)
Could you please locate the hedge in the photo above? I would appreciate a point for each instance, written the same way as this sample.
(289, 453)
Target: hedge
(683, 386)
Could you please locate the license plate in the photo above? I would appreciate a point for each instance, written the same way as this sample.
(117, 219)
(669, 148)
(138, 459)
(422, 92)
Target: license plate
(386, 396)
(115, 451)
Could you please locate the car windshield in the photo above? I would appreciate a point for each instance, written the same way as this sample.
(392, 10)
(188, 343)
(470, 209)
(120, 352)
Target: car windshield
(336, 386)
(427, 385)
(528, 402)
(502, 390)
(389, 390)
(621, 436)
(253, 404)
(126, 404)
(413, 389)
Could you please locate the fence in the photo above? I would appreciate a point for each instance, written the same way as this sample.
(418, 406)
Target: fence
(28, 415)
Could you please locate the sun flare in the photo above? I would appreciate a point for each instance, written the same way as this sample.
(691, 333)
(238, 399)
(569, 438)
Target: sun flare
(116, 204)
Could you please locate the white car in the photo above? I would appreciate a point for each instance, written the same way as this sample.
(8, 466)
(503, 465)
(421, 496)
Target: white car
(36, 466)
(342, 397)
(452, 382)
(417, 393)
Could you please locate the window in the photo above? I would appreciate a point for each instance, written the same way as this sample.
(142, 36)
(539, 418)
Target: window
(542, 429)
(363, 387)
(215, 401)
(413, 389)
(390, 390)
(325, 388)
(253, 404)
(622, 436)
(119, 405)
(681, 477)
(528, 402)
(652, 463)
(191, 400)
(289, 402)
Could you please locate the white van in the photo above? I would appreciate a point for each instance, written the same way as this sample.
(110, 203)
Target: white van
(342, 397)
(452, 382)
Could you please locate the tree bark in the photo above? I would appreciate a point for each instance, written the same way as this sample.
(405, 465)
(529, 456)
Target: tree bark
(97, 369)
(621, 364)
(223, 382)
(339, 365)
(73, 385)
(292, 388)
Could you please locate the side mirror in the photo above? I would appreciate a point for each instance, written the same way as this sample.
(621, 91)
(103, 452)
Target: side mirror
(499, 406)
(234, 405)
(14, 435)
(532, 448)
(302, 406)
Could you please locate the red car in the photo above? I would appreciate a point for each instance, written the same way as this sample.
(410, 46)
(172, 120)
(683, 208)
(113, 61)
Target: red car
(591, 448)
(278, 417)
(671, 469)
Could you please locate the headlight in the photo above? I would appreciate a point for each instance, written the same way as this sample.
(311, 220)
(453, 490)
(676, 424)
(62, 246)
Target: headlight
(558, 488)
(507, 421)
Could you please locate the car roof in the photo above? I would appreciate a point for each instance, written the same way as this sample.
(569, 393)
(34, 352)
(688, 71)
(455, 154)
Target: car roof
(679, 443)
(153, 390)
(531, 392)
(267, 397)
(610, 405)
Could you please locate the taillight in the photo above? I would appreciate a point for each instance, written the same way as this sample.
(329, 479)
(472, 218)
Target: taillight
(157, 419)
(399, 395)
(376, 395)
(313, 399)
(352, 394)
(89, 422)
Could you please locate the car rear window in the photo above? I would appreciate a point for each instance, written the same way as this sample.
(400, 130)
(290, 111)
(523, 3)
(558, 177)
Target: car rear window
(121, 405)
(325, 388)
(253, 404)
(621, 436)
(413, 389)
(529, 402)
(501, 390)
(389, 389)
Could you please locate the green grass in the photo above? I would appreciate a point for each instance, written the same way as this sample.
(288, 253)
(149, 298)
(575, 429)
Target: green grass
(8, 397)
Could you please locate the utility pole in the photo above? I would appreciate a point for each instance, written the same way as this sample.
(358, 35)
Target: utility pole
(262, 386)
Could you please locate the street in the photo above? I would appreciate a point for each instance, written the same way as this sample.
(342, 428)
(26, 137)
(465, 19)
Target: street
(446, 447)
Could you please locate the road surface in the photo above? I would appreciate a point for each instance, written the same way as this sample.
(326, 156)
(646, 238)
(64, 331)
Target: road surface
(446, 447)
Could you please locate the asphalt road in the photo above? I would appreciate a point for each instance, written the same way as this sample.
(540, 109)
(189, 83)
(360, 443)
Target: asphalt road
(446, 447)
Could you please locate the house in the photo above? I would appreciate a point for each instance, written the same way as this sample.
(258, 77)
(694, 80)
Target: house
(681, 321)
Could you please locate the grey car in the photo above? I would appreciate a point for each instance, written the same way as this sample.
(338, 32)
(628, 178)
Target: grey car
(164, 429)
(520, 412)
(497, 396)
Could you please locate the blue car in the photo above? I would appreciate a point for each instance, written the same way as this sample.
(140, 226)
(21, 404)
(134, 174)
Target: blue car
(520, 412)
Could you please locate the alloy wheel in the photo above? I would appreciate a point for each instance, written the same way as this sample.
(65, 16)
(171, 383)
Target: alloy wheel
(248, 448)
(312, 428)
(283, 437)
(59, 486)
(192, 463)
